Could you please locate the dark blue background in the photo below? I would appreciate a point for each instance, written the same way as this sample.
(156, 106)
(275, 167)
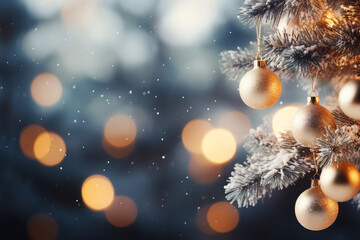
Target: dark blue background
(27, 187)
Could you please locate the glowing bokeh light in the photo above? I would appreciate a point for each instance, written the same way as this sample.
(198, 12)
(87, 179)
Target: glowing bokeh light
(79, 14)
(222, 217)
(118, 152)
(42, 226)
(49, 149)
(46, 89)
(193, 134)
(181, 23)
(202, 222)
(28, 137)
(122, 212)
(97, 192)
(237, 123)
(41, 43)
(120, 131)
(282, 119)
(202, 171)
(43, 8)
(219, 146)
(138, 48)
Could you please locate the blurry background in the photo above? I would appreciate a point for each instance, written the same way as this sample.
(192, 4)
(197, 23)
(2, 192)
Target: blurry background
(111, 115)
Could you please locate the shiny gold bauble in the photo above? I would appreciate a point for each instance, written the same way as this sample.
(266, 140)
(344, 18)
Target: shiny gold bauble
(340, 181)
(260, 88)
(310, 122)
(314, 210)
(349, 99)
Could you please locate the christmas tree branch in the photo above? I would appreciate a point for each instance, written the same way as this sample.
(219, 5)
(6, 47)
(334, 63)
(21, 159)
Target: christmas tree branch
(298, 54)
(334, 145)
(276, 163)
(269, 10)
(326, 42)
(234, 64)
(244, 186)
(326, 38)
(345, 37)
(307, 11)
(272, 165)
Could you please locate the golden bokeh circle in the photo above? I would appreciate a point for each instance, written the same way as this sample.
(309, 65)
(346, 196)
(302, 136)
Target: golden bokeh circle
(282, 120)
(222, 217)
(219, 146)
(79, 14)
(193, 134)
(46, 89)
(28, 137)
(97, 192)
(120, 130)
(122, 212)
(49, 149)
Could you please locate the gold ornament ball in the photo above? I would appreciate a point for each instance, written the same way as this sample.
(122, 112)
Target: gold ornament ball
(310, 122)
(260, 88)
(349, 99)
(314, 210)
(340, 181)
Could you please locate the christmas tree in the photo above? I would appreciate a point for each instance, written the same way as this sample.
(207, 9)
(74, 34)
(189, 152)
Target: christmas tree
(307, 38)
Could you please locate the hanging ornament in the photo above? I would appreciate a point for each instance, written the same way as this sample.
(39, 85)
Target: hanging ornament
(260, 88)
(340, 181)
(310, 121)
(313, 209)
(349, 99)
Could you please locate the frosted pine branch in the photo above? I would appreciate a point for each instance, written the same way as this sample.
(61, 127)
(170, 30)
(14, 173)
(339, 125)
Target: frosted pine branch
(234, 64)
(342, 120)
(351, 8)
(324, 39)
(275, 164)
(245, 186)
(269, 167)
(285, 169)
(260, 141)
(307, 11)
(345, 37)
(269, 10)
(334, 145)
(297, 55)
(287, 141)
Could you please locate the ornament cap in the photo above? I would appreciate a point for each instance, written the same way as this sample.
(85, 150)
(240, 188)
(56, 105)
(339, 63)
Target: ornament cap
(259, 63)
(315, 182)
(313, 100)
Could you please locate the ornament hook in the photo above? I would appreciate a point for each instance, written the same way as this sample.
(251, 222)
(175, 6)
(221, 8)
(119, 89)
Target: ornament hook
(316, 175)
(313, 92)
(258, 36)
